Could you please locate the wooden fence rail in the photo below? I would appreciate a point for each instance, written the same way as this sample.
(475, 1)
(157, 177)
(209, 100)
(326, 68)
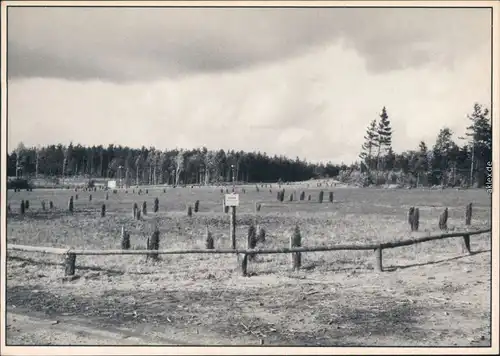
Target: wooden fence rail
(72, 253)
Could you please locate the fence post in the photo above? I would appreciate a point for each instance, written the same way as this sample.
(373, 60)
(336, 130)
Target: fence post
(244, 263)
(70, 263)
(378, 255)
(232, 228)
(466, 244)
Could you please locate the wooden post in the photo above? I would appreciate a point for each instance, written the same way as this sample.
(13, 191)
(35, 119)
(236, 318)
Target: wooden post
(416, 219)
(125, 239)
(244, 265)
(70, 264)
(70, 205)
(209, 241)
(154, 243)
(144, 208)
(103, 210)
(296, 241)
(443, 219)
(378, 255)
(466, 244)
(22, 207)
(251, 239)
(90, 197)
(411, 214)
(468, 214)
(232, 228)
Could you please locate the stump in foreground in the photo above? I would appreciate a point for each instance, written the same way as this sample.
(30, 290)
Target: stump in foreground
(125, 239)
(468, 214)
(209, 240)
(296, 241)
(154, 244)
(251, 239)
(70, 204)
(443, 220)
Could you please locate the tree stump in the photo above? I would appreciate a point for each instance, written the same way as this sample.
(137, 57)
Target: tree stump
(70, 264)
(251, 239)
(125, 241)
(416, 219)
(154, 244)
(443, 219)
(411, 214)
(70, 204)
(262, 235)
(296, 241)
(468, 214)
(209, 241)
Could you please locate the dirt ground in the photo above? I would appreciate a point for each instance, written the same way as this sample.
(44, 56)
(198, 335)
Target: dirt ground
(430, 294)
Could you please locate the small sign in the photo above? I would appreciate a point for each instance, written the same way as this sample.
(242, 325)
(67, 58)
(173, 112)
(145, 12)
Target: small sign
(232, 200)
(112, 184)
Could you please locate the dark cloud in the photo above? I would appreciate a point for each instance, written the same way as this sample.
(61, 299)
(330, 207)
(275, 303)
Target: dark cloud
(125, 44)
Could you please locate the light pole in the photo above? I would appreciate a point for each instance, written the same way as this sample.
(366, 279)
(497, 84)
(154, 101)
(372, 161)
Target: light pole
(232, 171)
(120, 175)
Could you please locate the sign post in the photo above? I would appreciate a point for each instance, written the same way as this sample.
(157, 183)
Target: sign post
(232, 201)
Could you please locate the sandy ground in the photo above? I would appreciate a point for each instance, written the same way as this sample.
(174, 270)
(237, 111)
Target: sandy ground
(443, 302)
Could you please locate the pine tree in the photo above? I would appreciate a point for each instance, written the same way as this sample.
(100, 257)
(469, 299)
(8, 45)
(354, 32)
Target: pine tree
(480, 142)
(371, 142)
(384, 135)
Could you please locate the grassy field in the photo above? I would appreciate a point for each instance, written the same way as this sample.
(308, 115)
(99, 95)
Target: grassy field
(431, 294)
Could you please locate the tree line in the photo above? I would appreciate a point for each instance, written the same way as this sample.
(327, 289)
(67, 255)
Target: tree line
(446, 163)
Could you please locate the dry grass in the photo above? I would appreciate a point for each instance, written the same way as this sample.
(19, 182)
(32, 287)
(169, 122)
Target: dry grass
(432, 294)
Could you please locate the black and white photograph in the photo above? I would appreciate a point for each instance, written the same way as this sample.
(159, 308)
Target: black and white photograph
(249, 177)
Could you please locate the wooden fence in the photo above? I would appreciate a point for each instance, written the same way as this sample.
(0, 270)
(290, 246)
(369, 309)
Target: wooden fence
(70, 260)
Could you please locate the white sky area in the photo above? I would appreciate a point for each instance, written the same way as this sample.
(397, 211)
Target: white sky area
(298, 82)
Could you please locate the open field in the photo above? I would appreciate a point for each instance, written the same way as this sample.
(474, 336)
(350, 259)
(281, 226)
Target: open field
(431, 294)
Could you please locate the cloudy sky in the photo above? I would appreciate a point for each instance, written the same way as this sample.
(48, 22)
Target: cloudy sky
(299, 82)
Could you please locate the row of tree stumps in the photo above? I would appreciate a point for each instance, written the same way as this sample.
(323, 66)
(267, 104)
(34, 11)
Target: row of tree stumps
(280, 196)
(414, 218)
